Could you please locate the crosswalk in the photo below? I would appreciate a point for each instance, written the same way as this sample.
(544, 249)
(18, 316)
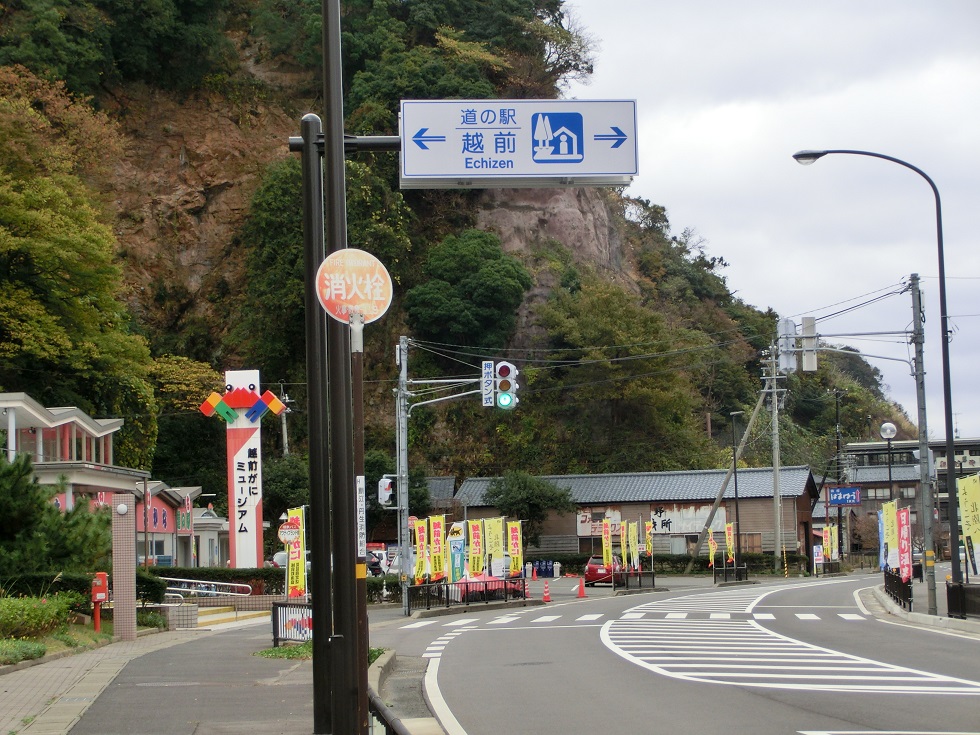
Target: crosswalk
(720, 637)
(595, 618)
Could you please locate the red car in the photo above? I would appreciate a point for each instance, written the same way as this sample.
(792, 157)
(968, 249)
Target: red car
(597, 571)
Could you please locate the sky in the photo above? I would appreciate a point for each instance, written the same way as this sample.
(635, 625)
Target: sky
(727, 91)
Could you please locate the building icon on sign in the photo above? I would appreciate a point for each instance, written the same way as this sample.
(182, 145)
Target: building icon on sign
(558, 137)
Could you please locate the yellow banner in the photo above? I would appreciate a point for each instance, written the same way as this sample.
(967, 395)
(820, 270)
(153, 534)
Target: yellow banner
(889, 520)
(606, 542)
(476, 546)
(730, 541)
(648, 529)
(421, 546)
(968, 493)
(296, 560)
(515, 546)
(493, 529)
(634, 538)
(437, 547)
(712, 547)
(623, 542)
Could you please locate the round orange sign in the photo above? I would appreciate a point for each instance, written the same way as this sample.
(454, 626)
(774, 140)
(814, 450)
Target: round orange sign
(353, 281)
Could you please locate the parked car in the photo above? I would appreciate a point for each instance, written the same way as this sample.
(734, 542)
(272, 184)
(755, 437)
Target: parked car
(597, 571)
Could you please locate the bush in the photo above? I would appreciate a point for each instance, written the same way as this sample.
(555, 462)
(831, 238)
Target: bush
(150, 619)
(13, 652)
(40, 584)
(32, 617)
(150, 589)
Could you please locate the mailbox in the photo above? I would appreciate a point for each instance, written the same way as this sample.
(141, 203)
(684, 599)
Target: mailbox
(100, 587)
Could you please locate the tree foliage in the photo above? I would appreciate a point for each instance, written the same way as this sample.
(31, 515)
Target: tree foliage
(37, 537)
(64, 332)
(472, 293)
(521, 496)
(169, 43)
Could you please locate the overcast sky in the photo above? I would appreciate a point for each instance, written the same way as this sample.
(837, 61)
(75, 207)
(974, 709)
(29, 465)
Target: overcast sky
(727, 91)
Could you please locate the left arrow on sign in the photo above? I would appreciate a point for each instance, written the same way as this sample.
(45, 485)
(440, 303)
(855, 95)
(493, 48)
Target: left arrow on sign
(617, 136)
(420, 139)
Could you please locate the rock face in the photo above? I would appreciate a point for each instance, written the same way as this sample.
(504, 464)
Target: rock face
(182, 191)
(578, 218)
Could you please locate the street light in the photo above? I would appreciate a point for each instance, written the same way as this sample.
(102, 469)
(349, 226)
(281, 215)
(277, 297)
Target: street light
(738, 528)
(806, 158)
(888, 432)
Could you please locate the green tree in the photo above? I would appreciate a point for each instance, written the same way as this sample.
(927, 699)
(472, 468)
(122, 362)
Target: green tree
(36, 537)
(64, 332)
(521, 496)
(472, 295)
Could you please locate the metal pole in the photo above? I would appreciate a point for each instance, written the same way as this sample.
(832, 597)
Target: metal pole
(340, 404)
(316, 377)
(807, 157)
(401, 407)
(925, 481)
(738, 526)
(776, 500)
(146, 523)
(357, 392)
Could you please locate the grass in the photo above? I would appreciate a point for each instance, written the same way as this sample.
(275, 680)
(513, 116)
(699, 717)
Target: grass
(302, 651)
(71, 637)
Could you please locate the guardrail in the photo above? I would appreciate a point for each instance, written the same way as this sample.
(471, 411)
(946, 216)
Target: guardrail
(202, 588)
(464, 592)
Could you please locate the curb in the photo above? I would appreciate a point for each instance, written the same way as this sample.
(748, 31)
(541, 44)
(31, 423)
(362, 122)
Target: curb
(929, 621)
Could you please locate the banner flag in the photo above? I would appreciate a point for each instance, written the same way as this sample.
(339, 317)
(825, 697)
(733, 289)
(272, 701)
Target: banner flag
(476, 547)
(712, 547)
(968, 493)
(634, 539)
(421, 547)
(515, 546)
(493, 530)
(903, 522)
(437, 547)
(606, 543)
(296, 557)
(730, 541)
(648, 528)
(457, 544)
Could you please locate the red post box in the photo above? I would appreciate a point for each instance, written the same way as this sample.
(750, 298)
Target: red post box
(100, 587)
(100, 594)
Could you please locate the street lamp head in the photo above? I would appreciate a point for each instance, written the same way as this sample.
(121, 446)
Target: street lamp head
(888, 430)
(805, 158)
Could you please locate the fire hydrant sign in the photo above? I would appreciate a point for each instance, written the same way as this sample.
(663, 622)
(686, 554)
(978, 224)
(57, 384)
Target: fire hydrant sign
(353, 281)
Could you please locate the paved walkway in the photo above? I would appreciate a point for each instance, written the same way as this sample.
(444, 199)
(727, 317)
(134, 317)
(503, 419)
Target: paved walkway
(50, 697)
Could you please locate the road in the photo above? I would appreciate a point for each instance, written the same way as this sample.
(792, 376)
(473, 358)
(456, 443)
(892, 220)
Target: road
(799, 656)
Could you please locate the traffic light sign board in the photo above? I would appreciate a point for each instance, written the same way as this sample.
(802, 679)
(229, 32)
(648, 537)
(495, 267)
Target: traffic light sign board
(505, 380)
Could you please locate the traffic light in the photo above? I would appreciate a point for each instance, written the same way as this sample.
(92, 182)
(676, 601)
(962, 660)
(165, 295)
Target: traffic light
(384, 491)
(505, 379)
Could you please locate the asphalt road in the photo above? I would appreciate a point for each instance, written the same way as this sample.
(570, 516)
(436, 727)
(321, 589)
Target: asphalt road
(785, 657)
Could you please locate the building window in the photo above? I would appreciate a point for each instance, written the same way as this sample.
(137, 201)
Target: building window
(908, 492)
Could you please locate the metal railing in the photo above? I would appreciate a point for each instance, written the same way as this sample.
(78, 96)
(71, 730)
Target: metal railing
(963, 600)
(202, 588)
(898, 590)
(465, 592)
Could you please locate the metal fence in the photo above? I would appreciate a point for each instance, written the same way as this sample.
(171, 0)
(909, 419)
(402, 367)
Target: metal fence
(292, 621)
(899, 591)
(465, 592)
(963, 600)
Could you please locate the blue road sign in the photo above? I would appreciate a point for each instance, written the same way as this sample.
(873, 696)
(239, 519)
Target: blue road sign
(507, 143)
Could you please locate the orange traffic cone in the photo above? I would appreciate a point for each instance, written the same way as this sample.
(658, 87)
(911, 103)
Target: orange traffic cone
(581, 586)
(534, 573)
(547, 593)
(527, 590)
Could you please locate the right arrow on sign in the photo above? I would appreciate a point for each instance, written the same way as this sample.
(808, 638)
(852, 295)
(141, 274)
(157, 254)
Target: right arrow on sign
(617, 136)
